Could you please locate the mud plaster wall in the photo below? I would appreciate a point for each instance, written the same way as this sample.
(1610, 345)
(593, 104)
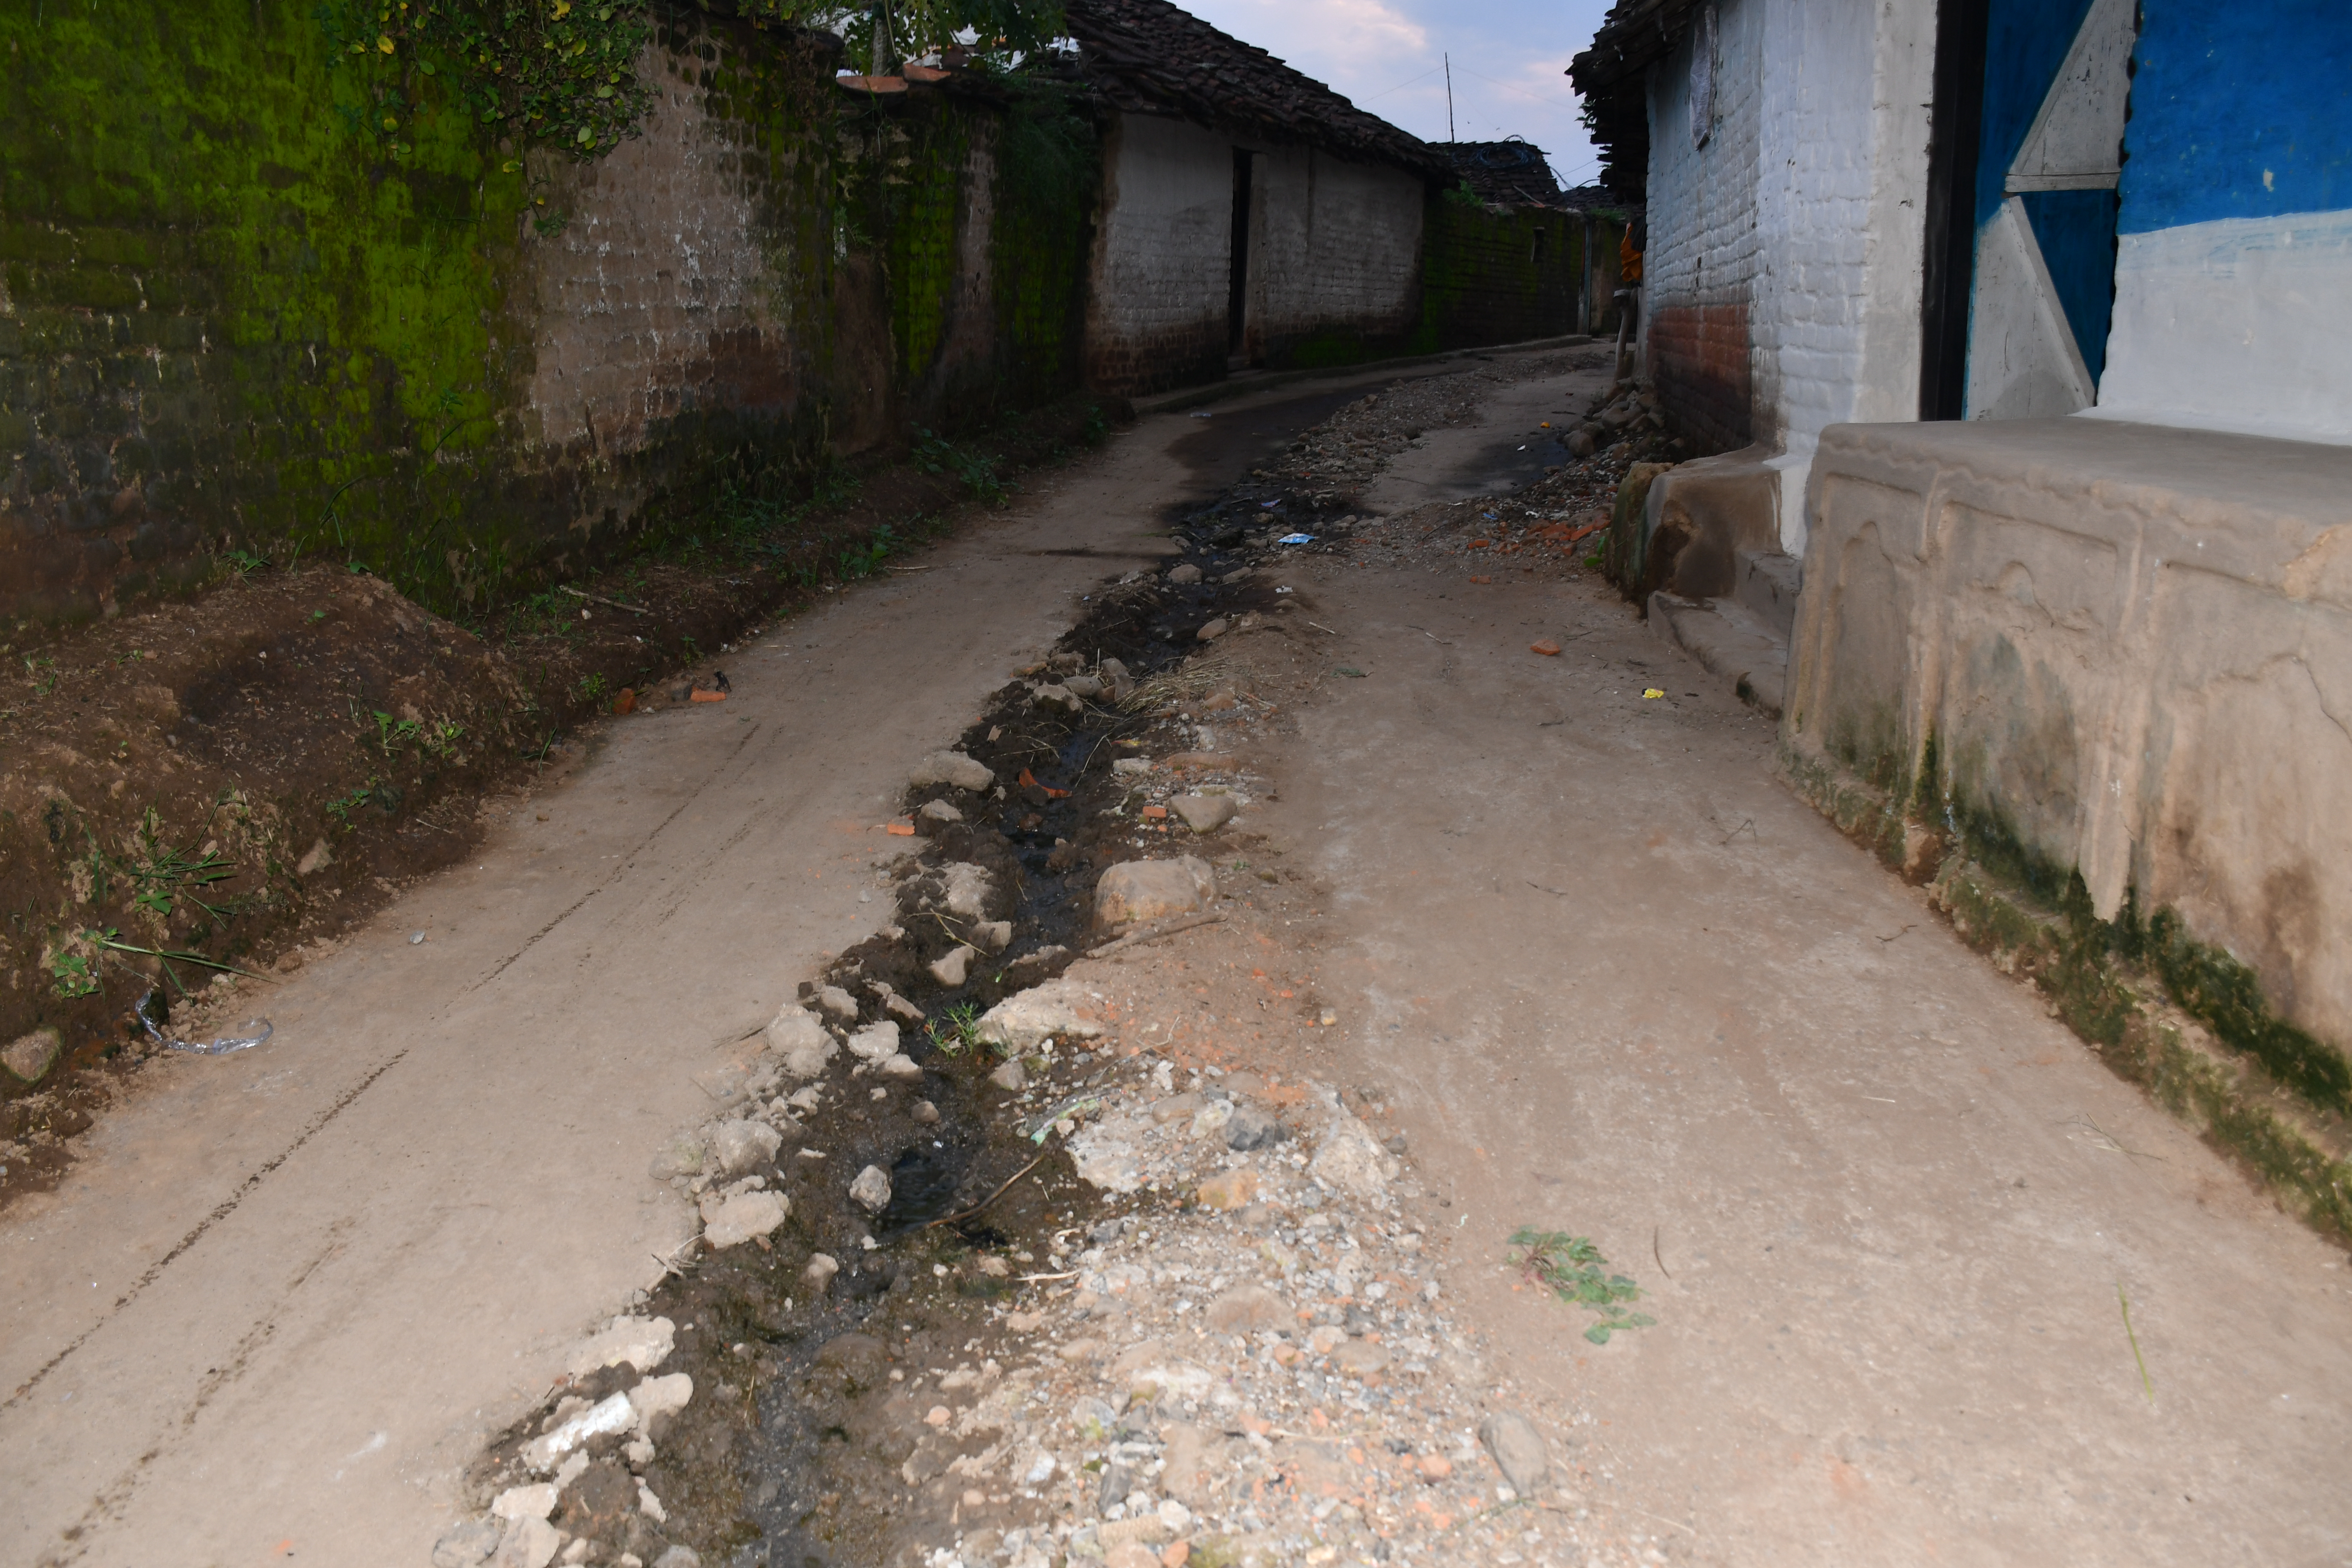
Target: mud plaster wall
(1156, 313)
(1335, 258)
(2113, 651)
(236, 316)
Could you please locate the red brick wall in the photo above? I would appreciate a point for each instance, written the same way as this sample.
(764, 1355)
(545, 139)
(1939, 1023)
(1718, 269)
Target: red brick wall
(1699, 364)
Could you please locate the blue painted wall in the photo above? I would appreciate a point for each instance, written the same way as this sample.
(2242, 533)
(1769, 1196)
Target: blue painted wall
(2238, 110)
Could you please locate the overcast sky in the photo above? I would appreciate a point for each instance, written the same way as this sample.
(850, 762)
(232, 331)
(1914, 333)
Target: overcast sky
(1387, 55)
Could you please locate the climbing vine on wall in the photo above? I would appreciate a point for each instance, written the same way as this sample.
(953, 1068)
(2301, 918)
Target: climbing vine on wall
(559, 71)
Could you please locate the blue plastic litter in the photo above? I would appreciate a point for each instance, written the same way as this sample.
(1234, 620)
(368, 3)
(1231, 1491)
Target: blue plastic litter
(1295, 539)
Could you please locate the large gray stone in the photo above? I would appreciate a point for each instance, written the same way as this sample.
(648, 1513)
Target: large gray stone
(951, 768)
(1517, 1448)
(1137, 890)
(1347, 1156)
(801, 1043)
(1061, 1009)
(31, 1056)
(871, 1190)
(731, 1222)
(744, 1146)
(1203, 813)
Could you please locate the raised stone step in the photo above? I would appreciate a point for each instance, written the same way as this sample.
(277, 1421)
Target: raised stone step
(1727, 639)
(1768, 588)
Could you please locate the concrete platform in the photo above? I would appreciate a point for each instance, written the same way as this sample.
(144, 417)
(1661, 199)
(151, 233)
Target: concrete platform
(2125, 649)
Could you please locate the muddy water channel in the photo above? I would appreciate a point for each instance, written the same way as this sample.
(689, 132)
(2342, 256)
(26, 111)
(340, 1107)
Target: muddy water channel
(798, 1448)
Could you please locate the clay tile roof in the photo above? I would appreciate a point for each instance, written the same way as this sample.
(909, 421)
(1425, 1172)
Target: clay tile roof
(1147, 57)
(1508, 174)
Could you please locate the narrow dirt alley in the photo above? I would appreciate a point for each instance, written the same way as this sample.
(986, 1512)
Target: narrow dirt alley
(287, 1295)
(1572, 949)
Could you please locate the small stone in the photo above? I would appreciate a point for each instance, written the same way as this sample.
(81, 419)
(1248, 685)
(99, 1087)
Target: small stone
(1580, 442)
(940, 811)
(528, 1543)
(659, 1396)
(1359, 1358)
(1213, 631)
(1010, 1077)
(644, 1342)
(317, 858)
(745, 1146)
(1231, 1189)
(951, 768)
(1395, 1143)
(1350, 1157)
(679, 1557)
(1176, 1107)
(1253, 1127)
(31, 1056)
(871, 1190)
(1247, 1307)
(970, 889)
(1518, 1449)
(1114, 669)
(683, 1155)
(1210, 1119)
(1137, 890)
(734, 1220)
(900, 1066)
(801, 1042)
(464, 1544)
(1434, 1467)
(950, 970)
(1130, 767)
(613, 1414)
(1184, 575)
(1203, 813)
(1059, 700)
(994, 935)
(906, 1012)
(533, 1501)
(925, 1113)
(820, 1271)
(840, 1003)
(1061, 1008)
(1085, 686)
(876, 1042)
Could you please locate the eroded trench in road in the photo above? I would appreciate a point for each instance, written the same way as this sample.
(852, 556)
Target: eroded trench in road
(795, 1450)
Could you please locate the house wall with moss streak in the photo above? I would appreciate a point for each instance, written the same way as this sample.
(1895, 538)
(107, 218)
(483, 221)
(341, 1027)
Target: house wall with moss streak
(240, 310)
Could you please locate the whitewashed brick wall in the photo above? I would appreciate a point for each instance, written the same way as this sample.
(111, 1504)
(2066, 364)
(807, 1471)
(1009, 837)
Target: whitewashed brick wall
(1805, 209)
(1163, 254)
(1335, 245)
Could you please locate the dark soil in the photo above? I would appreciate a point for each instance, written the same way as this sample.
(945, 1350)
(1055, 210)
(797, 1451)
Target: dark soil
(226, 777)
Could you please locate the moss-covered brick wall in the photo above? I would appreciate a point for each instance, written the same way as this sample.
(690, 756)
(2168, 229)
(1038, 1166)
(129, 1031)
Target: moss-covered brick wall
(245, 308)
(1496, 275)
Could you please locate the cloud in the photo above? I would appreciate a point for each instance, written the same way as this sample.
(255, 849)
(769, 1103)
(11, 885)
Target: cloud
(1323, 38)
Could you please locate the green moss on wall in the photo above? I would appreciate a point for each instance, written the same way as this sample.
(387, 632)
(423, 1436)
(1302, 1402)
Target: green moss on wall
(239, 313)
(1492, 275)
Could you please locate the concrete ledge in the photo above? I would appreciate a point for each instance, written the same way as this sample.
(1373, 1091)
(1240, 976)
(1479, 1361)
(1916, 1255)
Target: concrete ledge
(2112, 650)
(2301, 1154)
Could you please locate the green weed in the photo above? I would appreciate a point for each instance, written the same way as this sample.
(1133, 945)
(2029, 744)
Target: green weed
(957, 1032)
(1571, 1266)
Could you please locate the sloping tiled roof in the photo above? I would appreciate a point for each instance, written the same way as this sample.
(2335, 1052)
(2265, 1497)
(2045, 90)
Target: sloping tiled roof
(1148, 57)
(1509, 173)
(1610, 77)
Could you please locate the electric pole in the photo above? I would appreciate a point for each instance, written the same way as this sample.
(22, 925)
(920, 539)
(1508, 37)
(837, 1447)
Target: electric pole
(1449, 97)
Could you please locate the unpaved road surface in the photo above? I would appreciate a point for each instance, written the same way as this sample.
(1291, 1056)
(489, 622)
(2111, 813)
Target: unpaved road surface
(1615, 978)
